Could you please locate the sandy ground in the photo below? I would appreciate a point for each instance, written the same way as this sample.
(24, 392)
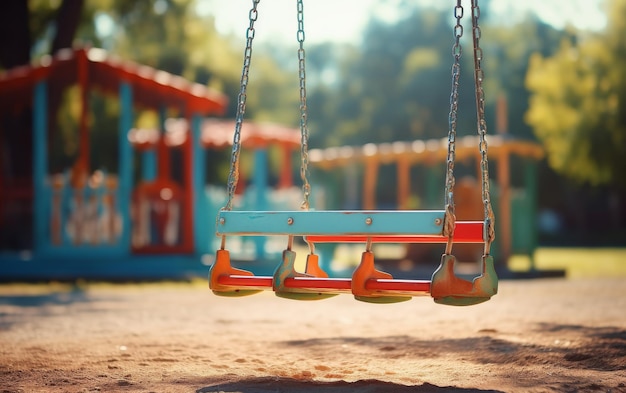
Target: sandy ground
(544, 335)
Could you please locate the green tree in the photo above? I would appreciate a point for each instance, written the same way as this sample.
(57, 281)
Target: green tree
(508, 49)
(578, 104)
(396, 86)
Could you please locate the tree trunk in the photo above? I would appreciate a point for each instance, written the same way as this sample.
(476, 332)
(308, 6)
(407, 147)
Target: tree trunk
(67, 21)
(15, 41)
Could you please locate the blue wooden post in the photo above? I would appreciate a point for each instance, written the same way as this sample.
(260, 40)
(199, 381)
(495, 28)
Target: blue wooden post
(148, 165)
(40, 167)
(125, 163)
(67, 196)
(260, 176)
(203, 231)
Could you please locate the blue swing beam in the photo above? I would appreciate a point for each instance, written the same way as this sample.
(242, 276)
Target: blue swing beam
(304, 223)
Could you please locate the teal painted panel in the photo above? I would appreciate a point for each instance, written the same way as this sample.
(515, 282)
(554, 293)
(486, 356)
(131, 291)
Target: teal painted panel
(359, 222)
(200, 208)
(149, 165)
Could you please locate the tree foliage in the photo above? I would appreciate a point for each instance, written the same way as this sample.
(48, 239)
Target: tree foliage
(578, 103)
(396, 86)
(507, 50)
(393, 85)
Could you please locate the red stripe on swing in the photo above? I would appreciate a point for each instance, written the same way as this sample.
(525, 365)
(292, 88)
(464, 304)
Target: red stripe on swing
(464, 232)
(260, 282)
(339, 284)
(413, 287)
(396, 285)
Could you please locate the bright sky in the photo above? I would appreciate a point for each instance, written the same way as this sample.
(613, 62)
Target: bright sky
(342, 20)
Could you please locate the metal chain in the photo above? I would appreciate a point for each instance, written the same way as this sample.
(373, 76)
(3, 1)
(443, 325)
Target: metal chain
(489, 235)
(233, 176)
(449, 222)
(304, 131)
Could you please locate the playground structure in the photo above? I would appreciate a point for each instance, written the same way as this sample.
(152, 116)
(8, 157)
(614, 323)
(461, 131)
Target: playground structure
(94, 224)
(516, 207)
(89, 223)
(215, 134)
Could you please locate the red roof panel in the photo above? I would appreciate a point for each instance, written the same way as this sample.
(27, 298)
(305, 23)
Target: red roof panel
(152, 88)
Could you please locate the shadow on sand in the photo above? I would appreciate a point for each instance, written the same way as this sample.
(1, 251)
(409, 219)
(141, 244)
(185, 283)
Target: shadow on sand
(284, 385)
(39, 304)
(75, 295)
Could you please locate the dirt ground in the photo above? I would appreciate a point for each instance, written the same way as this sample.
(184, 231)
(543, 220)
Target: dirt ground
(545, 335)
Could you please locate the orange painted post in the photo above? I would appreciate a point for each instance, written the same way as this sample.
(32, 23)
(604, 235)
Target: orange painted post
(286, 180)
(502, 125)
(404, 183)
(370, 178)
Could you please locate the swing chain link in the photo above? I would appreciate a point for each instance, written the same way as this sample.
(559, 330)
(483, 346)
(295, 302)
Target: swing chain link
(304, 131)
(449, 222)
(233, 176)
(489, 235)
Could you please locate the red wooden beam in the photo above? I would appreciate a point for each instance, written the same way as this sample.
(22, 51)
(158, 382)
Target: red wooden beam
(247, 282)
(330, 285)
(464, 232)
(335, 285)
(399, 287)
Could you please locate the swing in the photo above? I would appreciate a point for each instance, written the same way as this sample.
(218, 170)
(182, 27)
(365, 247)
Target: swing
(367, 283)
